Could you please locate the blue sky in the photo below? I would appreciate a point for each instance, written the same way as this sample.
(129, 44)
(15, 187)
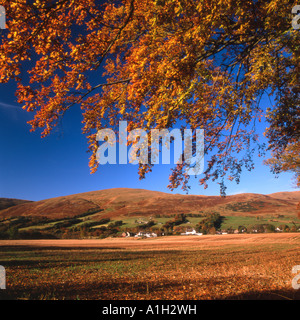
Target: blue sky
(34, 168)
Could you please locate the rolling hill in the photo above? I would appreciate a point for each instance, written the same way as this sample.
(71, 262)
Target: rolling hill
(8, 202)
(125, 202)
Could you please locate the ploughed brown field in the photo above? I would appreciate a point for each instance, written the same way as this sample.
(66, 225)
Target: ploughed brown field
(232, 266)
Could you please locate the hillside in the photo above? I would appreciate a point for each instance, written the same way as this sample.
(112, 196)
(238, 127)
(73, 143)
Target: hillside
(124, 202)
(293, 196)
(9, 202)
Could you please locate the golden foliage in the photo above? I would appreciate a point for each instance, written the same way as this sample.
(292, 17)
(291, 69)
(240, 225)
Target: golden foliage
(205, 64)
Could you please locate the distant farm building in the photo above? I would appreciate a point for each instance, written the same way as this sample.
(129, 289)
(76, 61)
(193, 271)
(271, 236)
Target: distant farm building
(191, 232)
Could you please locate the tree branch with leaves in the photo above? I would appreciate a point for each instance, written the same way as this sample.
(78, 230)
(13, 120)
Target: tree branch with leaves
(203, 64)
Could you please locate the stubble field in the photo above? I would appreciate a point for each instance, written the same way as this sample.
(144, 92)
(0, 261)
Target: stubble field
(242, 266)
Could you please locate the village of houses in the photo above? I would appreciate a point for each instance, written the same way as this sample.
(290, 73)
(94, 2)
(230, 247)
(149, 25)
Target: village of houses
(188, 232)
(153, 234)
(211, 224)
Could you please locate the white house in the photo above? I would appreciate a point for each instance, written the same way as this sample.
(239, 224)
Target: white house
(193, 232)
(146, 234)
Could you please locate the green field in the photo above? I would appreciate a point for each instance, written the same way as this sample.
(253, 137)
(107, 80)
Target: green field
(236, 221)
(94, 225)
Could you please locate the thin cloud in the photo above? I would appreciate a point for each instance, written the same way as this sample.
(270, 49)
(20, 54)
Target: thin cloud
(10, 106)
